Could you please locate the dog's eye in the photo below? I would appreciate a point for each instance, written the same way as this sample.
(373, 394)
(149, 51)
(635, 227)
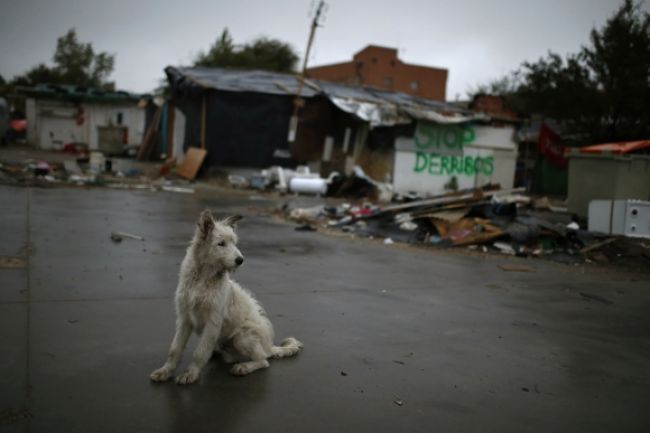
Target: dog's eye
(222, 243)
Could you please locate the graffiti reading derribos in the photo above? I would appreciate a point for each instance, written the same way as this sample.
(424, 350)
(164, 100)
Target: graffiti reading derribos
(438, 165)
(443, 138)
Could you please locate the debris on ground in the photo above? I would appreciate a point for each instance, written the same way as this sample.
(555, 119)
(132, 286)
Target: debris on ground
(516, 268)
(76, 167)
(11, 262)
(119, 236)
(488, 219)
(398, 402)
(596, 298)
(305, 228)
(10, 416)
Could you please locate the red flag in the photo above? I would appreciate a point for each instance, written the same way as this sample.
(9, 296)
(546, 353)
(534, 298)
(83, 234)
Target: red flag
(551, 146)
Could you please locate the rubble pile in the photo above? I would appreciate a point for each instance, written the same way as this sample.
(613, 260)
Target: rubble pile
(487, 220)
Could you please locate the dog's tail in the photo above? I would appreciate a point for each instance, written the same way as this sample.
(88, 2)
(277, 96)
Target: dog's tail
(288, 347)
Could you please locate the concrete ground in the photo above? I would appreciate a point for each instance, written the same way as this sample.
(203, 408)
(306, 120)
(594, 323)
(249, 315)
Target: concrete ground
(397, 339)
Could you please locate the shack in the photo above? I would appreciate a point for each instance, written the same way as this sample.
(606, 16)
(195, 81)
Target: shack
(608, 171)
(242, 118)
(102, 120)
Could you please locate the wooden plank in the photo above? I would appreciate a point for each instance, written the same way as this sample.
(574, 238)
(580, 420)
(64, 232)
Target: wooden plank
(597, 245)
(146, 147)
(192, 163)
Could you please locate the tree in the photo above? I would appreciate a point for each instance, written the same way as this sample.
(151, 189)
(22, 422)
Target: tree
(220, 54)
(619, 61)
(262, 53)
(601, 93)
(75, 63)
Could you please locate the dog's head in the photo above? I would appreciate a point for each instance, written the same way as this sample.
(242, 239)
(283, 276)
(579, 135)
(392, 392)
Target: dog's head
(215, 242)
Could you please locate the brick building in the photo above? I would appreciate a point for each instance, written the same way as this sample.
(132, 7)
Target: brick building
(380, 67)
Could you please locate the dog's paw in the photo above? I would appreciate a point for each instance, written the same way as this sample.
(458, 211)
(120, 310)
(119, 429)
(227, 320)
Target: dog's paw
(240, 369)
(160, 375)
(190, 376)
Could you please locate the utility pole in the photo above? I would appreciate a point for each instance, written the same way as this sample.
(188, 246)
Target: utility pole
(298, 102)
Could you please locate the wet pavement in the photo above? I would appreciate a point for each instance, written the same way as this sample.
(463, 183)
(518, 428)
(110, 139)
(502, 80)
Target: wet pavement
(397, 339)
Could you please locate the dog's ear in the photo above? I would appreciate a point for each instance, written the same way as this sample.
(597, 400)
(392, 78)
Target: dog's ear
(232, 220)
(206, 224)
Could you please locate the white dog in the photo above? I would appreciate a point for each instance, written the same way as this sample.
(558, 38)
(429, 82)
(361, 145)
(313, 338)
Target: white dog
(226, 316)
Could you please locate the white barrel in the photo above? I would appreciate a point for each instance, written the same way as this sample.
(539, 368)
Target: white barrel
(308, 185)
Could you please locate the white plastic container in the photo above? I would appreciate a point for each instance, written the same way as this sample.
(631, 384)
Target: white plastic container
(308, 185)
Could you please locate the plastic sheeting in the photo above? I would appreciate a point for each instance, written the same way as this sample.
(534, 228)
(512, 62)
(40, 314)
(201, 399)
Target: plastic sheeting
(373, 113)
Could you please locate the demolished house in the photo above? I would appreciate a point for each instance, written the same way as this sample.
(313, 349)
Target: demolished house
(242, 119)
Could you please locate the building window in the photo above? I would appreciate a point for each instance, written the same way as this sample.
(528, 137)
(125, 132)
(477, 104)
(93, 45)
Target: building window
(388, 82)
(374, 60)
(392, 62)
(415, 85)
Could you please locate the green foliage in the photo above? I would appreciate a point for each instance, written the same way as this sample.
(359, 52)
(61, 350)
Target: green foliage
(600, 94)
(75, 63)
(262, 53)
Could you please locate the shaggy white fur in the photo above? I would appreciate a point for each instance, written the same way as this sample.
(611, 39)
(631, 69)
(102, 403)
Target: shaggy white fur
(225, 315)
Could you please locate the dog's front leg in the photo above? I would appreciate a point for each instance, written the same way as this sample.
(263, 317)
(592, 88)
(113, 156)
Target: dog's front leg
(202, 353)
(182, 334)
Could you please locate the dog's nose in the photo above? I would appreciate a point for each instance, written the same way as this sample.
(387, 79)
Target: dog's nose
(239, 260)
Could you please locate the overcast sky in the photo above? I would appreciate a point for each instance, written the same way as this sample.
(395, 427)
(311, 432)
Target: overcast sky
(476, 40)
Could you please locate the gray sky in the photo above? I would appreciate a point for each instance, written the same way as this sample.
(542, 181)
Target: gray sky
(476, 40)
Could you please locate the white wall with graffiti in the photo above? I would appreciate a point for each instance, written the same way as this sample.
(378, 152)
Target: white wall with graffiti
(441, 158)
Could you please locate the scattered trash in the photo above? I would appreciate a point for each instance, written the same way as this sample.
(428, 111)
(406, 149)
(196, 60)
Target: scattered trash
(398, 402)
(504, 248)
(516, 268)
(305, 228)
(73, 321)
(177, 189)
(343, 373)
(388, 241)
(237, 181)
(307, 215)
(118, 236)
(42, 168)
(11, 262)
(596, 298)
(573, 226)
(10, 416)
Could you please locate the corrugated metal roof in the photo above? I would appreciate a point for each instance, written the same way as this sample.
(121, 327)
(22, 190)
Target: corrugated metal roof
(238, 80)
(378, 107)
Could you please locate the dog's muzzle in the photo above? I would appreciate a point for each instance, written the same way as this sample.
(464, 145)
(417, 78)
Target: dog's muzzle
(239, 260)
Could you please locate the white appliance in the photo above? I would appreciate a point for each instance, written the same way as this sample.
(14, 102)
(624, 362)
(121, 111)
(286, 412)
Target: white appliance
(620, 217)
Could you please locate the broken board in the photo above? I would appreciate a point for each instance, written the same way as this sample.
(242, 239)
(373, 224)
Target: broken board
(191, 163)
